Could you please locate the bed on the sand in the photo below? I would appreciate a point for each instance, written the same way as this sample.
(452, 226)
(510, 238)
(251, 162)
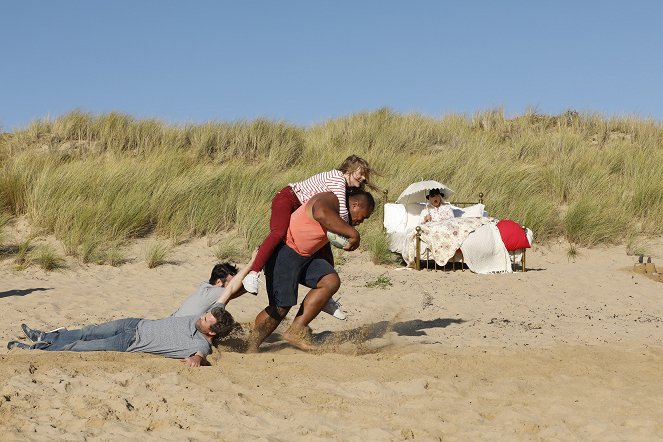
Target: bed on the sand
(472, 238)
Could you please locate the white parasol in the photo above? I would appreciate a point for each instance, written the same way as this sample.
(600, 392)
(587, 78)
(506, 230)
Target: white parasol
(416, 192)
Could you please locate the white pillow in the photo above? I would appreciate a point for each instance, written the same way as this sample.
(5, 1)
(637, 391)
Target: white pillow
(395, 217)
(475, 211)
(413, 214)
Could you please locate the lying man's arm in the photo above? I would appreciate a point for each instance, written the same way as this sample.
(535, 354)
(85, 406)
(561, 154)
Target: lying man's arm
(235, 288)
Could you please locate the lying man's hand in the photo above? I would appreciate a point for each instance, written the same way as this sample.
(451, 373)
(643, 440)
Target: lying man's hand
(194, 361)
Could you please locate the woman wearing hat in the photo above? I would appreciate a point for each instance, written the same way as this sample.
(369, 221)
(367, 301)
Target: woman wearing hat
(438, 210)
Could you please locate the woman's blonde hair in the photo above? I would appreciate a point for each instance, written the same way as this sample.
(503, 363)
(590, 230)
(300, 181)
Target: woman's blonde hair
(354, 162)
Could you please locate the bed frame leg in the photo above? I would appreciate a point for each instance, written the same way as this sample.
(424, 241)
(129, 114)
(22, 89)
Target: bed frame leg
(417, 244)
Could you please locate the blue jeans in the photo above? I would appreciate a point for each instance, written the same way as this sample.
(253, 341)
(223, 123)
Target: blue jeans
(115, 335)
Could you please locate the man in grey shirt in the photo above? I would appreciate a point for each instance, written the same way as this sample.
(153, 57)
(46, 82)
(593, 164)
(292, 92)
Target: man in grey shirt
(181, 337)
(225, 283)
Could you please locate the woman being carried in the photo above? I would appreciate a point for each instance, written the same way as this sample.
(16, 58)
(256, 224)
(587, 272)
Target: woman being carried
(353, 172)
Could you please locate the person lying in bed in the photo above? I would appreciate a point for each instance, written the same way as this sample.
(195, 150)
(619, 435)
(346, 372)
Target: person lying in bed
(438, 209)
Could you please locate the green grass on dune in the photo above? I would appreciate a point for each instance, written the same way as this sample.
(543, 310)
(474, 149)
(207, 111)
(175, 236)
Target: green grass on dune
(96, 180)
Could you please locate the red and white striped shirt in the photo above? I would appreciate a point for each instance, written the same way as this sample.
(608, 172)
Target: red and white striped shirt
(332, 181)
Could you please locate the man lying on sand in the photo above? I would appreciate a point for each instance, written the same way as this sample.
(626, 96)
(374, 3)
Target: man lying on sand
(225, 283)
(298, 261)
(115, 335)
(180, 337)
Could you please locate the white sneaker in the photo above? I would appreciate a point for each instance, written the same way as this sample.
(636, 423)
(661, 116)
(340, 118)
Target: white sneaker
(333, 308)
(250, 282)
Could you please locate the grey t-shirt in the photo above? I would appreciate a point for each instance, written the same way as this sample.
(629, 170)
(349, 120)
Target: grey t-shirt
(200, 301)
(173, 337)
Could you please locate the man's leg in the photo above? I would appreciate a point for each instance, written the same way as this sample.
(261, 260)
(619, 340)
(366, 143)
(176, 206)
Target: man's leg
(266, 322)
(110, 336)
(315, 300)
(333, 307)
(282, 277)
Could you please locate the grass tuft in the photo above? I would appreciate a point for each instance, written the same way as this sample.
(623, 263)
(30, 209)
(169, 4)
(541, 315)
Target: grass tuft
(636, 245)
(22, 257)
(382, 282)
(157, 253)
(47, 258)
(4, 220)
(572, 252)
(226, 250)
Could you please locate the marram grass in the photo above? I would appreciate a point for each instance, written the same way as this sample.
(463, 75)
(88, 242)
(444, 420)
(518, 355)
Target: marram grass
(109, 178)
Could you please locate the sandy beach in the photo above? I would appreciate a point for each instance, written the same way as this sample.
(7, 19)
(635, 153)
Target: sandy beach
(569, 350)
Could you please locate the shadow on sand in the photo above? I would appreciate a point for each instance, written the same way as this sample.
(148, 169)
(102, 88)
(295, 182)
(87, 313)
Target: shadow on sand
(414, 327)
(22, 292)
(330, 341)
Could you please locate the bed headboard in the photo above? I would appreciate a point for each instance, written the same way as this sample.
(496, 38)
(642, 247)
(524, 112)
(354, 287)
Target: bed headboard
(468, 203)
(385, 194)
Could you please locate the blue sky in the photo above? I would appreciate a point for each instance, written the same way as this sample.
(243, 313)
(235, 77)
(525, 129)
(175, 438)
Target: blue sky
(306, 61)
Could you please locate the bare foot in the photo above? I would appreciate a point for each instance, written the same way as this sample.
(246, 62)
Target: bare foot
(300, 339)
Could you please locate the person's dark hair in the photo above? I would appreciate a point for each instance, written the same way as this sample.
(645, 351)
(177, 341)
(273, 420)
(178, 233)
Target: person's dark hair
(222, 271)
(224, 322)
(358, 191)
(434, 192)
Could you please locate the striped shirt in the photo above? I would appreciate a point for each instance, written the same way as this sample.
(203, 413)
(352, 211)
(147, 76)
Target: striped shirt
(332, 181)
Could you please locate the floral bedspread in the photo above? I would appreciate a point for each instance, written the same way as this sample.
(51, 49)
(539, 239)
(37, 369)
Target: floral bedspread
(442, 239)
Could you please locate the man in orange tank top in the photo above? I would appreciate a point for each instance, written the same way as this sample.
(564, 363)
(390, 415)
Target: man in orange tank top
(299, 261)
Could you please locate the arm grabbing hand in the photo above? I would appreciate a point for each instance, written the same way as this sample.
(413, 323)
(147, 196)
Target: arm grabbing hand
(235, 287)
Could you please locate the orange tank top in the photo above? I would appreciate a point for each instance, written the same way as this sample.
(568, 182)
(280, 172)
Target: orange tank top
(305, 236)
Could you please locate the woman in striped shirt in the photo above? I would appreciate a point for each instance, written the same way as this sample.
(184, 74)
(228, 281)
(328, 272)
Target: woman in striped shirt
(353, 172)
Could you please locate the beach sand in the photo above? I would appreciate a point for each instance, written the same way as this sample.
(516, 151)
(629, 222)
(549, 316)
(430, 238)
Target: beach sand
(569, 350)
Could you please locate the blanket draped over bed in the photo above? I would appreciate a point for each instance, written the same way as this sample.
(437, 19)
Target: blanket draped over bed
(443, 238)
(484, 251)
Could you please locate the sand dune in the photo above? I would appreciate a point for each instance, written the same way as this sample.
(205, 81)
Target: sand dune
(566, 351)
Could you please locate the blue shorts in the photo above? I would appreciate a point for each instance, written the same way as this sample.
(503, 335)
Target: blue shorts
(286, 269)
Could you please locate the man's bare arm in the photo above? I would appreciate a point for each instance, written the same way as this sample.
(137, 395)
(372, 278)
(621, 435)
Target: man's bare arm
(325, 211)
